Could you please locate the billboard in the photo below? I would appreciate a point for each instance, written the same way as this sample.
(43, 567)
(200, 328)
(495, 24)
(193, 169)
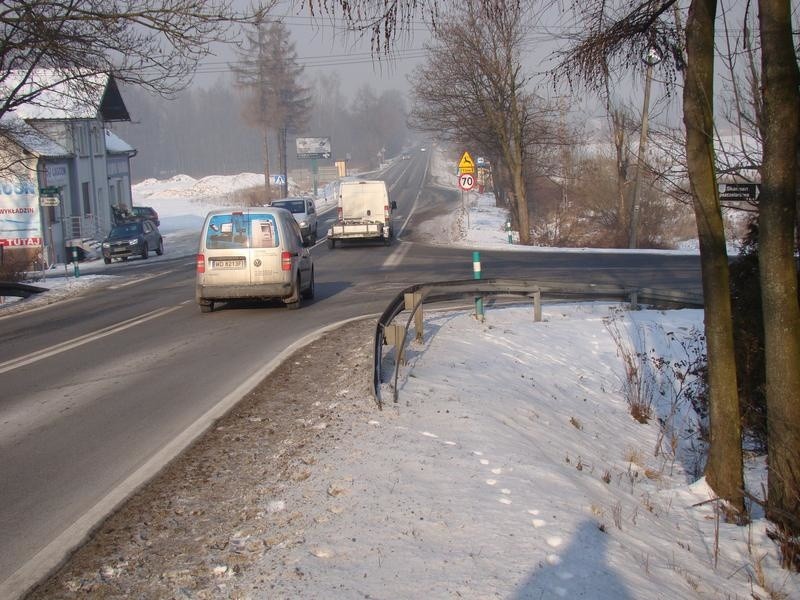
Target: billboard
(313, 147)
(19, 214)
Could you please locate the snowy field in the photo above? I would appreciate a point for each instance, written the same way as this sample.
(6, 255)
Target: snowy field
(511, 466)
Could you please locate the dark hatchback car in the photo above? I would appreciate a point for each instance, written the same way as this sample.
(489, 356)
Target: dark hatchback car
(146, 212)
(134, 238)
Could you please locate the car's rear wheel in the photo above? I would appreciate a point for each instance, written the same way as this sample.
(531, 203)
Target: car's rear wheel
(145, 251)
(308, 293)
(160, 249)
(293, 303)
(107, 261)
(206, 306)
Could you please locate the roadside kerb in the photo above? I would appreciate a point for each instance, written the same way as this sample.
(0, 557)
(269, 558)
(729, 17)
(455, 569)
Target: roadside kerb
(412, 299)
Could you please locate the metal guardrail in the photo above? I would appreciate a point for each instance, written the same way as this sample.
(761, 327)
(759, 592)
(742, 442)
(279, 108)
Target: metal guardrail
(453, 290)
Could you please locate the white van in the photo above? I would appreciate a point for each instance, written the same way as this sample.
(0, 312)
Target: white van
(253, 253)
(364, 212)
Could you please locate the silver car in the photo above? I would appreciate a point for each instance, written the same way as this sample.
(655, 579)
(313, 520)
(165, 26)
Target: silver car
(252, 253)
(304, 212)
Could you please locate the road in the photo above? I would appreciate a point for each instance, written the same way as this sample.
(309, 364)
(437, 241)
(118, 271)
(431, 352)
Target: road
(96, 394)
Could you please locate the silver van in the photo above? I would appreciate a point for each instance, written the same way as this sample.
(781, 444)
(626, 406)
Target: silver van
(254, 253)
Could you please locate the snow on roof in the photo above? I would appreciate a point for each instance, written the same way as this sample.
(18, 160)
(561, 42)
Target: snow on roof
(56, 95)
(30, 139)
(116, 145)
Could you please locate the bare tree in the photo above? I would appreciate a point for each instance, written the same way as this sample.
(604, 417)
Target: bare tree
(473, 86)
(778, 271)
(148, 43)
(268, 72)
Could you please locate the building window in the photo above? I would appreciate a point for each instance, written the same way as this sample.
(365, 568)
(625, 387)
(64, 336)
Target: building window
(87, 200)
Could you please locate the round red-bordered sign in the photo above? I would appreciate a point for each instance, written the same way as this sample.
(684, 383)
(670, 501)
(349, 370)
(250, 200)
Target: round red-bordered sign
(466, 181)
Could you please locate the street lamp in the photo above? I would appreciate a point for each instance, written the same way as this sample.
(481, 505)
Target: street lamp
(651, 58)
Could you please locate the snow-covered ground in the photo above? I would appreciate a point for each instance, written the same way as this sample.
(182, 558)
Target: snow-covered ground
(511, 466)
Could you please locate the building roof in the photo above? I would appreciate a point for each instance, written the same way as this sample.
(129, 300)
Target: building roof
(116, 145)
(28, 138)
(58, 96)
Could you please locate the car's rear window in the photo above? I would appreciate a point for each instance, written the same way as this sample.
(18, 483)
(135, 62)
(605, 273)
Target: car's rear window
(142, 211)
(239, 230)
(294, 206)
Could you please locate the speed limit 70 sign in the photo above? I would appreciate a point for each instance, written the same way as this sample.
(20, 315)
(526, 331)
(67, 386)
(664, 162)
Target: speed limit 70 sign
(466, 181)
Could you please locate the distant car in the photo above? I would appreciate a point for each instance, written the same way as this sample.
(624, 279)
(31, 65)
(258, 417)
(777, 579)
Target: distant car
(305, 213)
(146, 212)
(406, 156)
(422, 149)
(133, 238)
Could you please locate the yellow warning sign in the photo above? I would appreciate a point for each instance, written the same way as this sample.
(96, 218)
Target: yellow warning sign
(466, 164)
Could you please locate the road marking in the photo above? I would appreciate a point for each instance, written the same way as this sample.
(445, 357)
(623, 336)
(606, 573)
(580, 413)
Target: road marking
(396, 257)
(33, 357)
(138, 280)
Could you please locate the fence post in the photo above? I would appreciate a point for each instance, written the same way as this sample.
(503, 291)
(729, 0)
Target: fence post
(476, 274)
(537, 306)
(75, 261)
(413, 301)
(396, 336)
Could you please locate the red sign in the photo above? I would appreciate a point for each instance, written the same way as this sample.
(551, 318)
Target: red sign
(33, 241)
(466, 181)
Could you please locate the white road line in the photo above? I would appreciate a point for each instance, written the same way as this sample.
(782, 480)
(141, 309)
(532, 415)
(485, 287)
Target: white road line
(396, 257)
(138, 280)
(33, 357)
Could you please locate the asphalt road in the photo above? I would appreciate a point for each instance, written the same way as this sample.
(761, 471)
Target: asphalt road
(97, 393)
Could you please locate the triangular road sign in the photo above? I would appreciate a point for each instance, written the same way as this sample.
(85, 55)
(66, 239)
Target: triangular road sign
(466, 164)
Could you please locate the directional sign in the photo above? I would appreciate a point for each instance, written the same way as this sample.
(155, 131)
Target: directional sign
(741, 192)
(466, 164)
(49, 200)
(277, 179)
(466, 181)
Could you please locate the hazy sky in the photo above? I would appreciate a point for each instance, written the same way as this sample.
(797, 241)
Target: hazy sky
(324, 46)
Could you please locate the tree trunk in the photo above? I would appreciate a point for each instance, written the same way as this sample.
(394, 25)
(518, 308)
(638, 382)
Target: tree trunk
(521, 201)
(776, 224)
(724, 467)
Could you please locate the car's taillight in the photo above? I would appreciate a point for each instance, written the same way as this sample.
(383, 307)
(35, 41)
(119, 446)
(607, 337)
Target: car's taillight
(201, 263)
(286, 261)
(339, 214)
(386, 213)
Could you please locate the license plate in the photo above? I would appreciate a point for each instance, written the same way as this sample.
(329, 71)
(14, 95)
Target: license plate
(227, 264)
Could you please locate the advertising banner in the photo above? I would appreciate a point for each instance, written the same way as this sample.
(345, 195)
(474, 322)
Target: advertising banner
(20, 224)
(313, 147)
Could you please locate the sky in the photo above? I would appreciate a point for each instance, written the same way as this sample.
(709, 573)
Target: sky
(510, 466)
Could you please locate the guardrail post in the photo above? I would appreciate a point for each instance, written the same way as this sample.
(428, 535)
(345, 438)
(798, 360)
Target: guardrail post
(476, 274)
(537, 306)
(634, 300)
(395, 335)
(414, 301)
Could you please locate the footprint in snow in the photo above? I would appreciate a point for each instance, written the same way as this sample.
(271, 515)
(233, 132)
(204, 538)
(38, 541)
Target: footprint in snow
(429, 434)
(491, 482)
(477, 453)
(504, 500)
(538, 523)
(554, 541)
(484, 461)
(497, 471)
(553, 559)
(505, 491)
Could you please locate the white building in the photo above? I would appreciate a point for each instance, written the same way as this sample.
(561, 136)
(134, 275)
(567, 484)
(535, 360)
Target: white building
(63, 171)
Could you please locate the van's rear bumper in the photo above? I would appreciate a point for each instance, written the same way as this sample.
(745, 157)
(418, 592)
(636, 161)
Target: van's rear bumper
(231, 292)
(358, 231)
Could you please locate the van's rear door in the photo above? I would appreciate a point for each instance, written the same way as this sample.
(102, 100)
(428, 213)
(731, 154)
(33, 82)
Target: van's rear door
(242, 249)
(265, 266)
